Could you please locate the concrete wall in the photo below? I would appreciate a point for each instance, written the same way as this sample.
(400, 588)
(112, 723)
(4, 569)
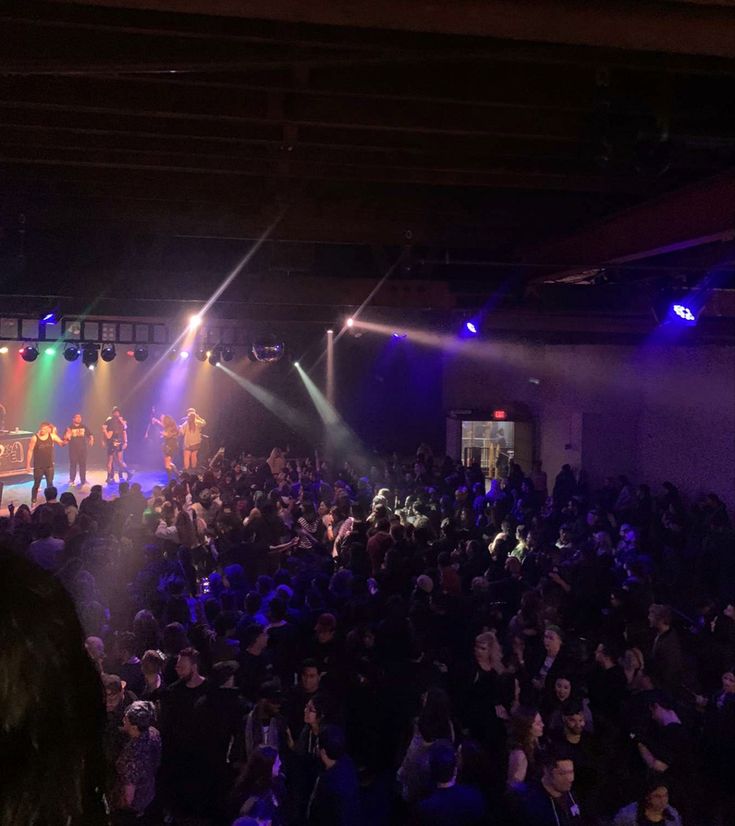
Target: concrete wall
(653, 412)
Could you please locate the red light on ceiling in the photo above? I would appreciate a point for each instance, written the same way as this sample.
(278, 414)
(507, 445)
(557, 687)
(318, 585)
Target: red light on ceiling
(499, 414)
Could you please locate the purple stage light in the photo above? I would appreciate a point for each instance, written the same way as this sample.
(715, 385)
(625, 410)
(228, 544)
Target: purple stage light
(184, 354)
(400, 336)
(471, 328)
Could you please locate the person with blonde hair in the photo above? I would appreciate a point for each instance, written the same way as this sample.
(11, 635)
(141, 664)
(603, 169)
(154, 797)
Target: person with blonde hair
(191, 430)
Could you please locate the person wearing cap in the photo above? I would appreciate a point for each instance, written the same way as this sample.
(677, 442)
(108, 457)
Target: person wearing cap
(266, 725)
(138, 762)
(191, 430)
(117, 701)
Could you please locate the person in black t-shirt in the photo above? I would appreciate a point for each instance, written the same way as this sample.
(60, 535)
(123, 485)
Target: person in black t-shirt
(115, 432)
(41, 453)
(79, 437)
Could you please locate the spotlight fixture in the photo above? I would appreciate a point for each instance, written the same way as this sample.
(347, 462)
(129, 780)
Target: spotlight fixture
(51, 317)
(684, 313)
(268, 349)
(201, 354)
(3, 350)
(227, 354)
(350, 321)
(183, 355)
(195, 321)
(214, 356)
(296, 364)
(330, 332)
(29, 352)
(90, 367)
(50, 351)
(400, 336)
(140, 353)
(471, 328)
(108, 352)
(90, 355)
(71, 352)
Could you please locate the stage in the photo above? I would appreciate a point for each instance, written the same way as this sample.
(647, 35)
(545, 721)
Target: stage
(18, 488)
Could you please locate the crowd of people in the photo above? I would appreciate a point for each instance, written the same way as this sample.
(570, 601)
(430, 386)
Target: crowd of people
(279, 643)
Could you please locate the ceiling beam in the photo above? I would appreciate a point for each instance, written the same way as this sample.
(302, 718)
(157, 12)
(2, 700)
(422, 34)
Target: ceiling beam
(671, 27)
(699, 214)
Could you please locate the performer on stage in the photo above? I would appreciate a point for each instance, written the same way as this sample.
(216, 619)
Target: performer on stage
(79, 437)
(191, 430)
(41, 453)
(115, 432)
(169, 442)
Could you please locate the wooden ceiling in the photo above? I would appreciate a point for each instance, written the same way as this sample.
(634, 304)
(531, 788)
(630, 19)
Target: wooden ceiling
(461, 137)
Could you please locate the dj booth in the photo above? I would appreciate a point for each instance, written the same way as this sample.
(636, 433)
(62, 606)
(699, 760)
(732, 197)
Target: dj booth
(13, 451)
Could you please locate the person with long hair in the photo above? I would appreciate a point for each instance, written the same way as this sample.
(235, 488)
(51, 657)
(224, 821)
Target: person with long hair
(259, 790)
(651, 807)
(481, 687)
(115, 435)
(169, 442)
(433, 723)
(52, 713)
(526, 730)
(191, 430)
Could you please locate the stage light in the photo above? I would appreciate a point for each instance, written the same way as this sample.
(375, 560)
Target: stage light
(184, 354)
(330, 332)
(71, 352)
(3, 350)
(471, 328)
(50, 351)
(400, 336)
(195, 321)
(89, 355)
(350, 321)
(227, 354)
(268, 349)
(141, 353)
(296, 364)
(51, 317)
(108, 352)
(172, 354)
(684, 313)
(201, 354)
(29, 352)
(90, 367)
(214, 357)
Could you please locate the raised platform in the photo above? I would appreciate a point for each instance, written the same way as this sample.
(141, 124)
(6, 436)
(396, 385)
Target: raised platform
(17, 488)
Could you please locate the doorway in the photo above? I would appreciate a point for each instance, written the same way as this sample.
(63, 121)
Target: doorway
(495, 444)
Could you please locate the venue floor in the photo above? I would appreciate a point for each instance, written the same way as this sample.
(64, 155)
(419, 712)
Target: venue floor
(18, 488)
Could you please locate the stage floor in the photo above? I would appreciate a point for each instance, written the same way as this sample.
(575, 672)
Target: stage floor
(18, 488)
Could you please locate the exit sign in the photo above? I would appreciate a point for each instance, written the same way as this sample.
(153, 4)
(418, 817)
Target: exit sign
(499, 414)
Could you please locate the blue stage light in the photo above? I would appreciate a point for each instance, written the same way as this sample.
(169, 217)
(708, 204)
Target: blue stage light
(471, 328)
(684, 313)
